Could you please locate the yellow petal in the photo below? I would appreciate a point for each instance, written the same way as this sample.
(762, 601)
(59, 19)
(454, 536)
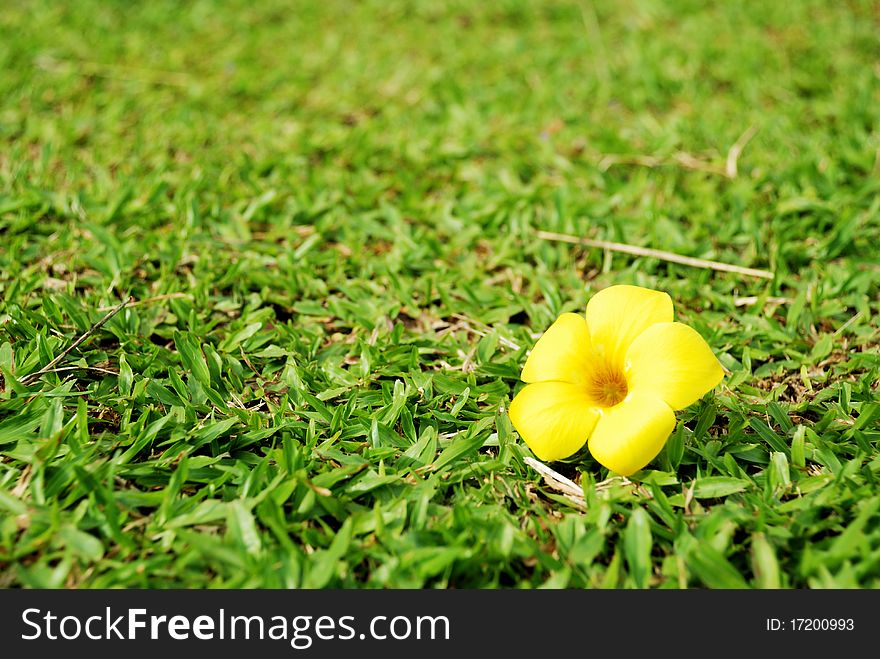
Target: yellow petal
(561, 352)
(618, 314)
(553, 418)
(673, 361)
(631, 434)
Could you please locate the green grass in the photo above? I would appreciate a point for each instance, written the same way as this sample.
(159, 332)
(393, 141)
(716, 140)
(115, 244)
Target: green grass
(326, 213)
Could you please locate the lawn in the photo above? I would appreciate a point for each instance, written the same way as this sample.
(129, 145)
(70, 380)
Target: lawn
(327, 217)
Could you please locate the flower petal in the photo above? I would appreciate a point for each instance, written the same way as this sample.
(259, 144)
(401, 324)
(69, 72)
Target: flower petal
(673, 361)
(631, 434)
(618, 314)
(561, 353)
(553, 418)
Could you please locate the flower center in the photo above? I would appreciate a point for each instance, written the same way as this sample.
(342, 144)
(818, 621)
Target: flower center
(607, 386)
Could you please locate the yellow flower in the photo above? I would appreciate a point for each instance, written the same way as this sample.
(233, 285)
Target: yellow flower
(613, 378)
